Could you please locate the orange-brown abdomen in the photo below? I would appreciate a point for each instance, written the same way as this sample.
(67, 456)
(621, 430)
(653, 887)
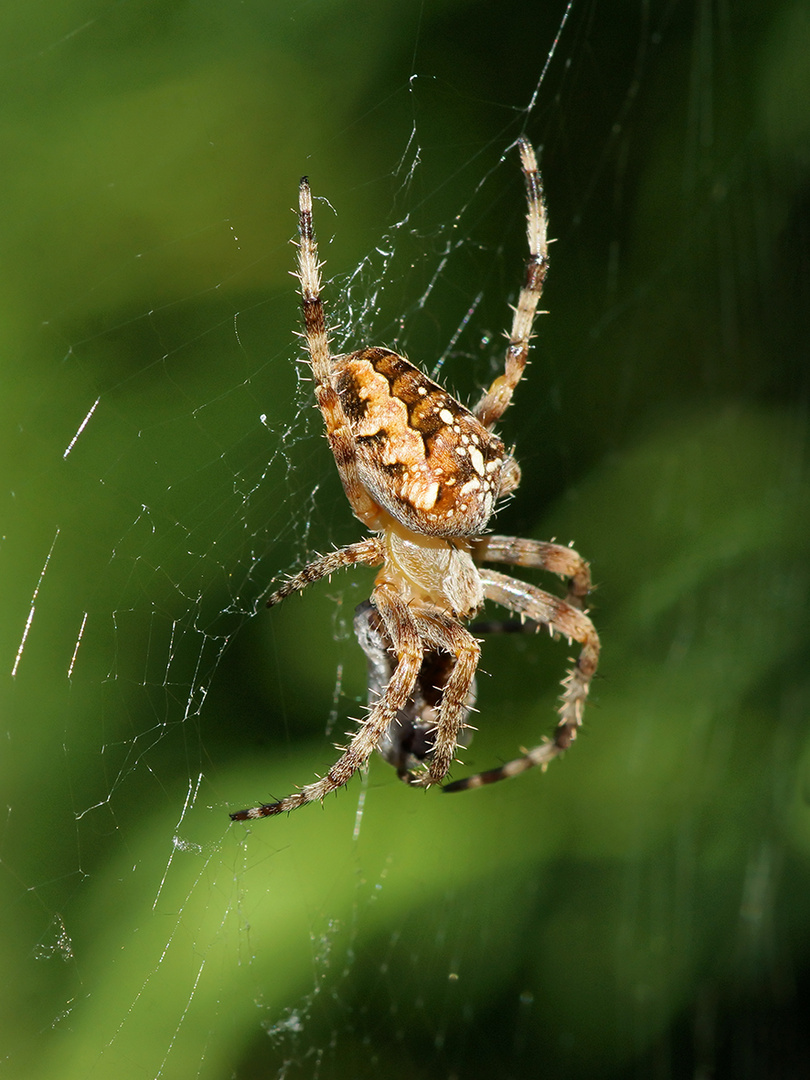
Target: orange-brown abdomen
(423, 457)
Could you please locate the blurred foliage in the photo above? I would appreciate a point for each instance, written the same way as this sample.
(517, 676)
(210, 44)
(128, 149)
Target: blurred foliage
(640, 910)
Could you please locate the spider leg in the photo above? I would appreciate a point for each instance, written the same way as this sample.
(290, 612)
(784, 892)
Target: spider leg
(401, 628)
(492, 627)
(563, 618)
(441, 632)
(338, 431)
(555, 558)
(494, 402)
(366, 552)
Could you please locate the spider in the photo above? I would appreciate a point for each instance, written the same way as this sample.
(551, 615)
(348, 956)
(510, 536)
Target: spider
(424, 475)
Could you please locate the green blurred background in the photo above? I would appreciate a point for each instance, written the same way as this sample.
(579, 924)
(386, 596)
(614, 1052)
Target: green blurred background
(642, 909)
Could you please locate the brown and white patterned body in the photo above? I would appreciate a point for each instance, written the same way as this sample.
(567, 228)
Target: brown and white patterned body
(424, 474)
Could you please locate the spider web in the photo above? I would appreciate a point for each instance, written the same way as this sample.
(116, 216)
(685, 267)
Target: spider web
(641, 909)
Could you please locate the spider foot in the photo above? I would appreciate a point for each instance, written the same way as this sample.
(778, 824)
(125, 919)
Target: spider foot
(537, 758)
(311, 793)
(421, 779)
(266, 810)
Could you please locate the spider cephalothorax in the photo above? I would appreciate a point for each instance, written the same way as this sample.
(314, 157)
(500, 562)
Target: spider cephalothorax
(424, 474)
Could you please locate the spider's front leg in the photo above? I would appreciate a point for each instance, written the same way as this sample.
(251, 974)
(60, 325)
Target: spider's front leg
(411, 736)
(445, 634)
(402, 631)
(563, 618)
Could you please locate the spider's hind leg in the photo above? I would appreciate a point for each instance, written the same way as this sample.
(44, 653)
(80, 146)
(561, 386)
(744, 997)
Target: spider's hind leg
(495, 400)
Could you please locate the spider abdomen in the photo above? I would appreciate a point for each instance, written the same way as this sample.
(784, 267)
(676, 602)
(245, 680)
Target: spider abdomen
(420, 454)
